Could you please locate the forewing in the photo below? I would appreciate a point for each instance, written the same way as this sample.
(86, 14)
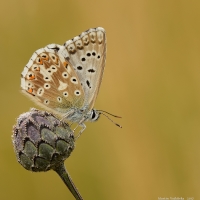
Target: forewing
(87, 53)
(50, 80)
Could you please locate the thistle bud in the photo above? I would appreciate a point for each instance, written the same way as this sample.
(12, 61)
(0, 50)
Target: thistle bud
(41, 141)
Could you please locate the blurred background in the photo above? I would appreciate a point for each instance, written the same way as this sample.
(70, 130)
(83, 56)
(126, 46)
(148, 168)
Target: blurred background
(151, 79)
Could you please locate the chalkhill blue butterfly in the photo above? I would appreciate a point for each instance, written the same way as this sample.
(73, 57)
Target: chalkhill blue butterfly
(65, 79)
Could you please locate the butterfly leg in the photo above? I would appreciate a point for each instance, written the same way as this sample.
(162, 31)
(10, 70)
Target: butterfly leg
(81, 131)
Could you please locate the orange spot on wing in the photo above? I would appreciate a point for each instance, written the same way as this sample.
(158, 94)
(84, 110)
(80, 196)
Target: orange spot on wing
(30, 90)
(56, 61)
(31, 77)
(65, 64)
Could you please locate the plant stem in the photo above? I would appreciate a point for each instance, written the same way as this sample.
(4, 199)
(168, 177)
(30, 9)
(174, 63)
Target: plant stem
(64, 175)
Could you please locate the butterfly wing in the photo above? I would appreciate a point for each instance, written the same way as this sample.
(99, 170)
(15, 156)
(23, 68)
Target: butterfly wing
(87, 54)
(49, 80)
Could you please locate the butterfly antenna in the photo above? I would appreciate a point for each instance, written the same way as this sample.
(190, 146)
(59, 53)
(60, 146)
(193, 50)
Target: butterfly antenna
(109, 113)
(101, 112)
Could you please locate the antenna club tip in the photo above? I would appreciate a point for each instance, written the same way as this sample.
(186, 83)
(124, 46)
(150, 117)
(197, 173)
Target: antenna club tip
(103, 113)
(119, 125)
(117, 116)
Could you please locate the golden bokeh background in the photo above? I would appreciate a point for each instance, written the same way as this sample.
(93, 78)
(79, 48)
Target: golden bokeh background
(151, 79)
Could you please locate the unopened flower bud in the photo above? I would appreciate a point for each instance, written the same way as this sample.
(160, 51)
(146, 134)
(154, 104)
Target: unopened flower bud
(41, 141)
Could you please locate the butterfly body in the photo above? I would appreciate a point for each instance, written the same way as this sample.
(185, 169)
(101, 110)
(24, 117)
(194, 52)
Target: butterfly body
(65, 79)
(78, 115)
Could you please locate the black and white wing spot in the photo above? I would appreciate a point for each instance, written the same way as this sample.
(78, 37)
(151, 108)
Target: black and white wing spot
(35, 67)
(88, 83)
(74, 80)
(65, 94)
(53, 58)
(49, 72)
(94, 53)
(59, 99)
(47, 86)
(46, 101)
(91, 70)
(30, 76)
(83, 59)
(46, 78)
(77, 92)
(40, 91)
(53, 68)
(88, 54)
(65, 75)
(39, 61)
(79, 67)
(44, 56)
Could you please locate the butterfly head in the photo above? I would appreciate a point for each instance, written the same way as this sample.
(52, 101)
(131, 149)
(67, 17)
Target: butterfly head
(94, 115)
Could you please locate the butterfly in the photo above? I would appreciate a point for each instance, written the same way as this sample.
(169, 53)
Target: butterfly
(65, 79)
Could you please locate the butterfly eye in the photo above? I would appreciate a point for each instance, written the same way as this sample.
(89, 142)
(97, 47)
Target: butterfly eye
(65, 94)
(74, 80)
(30, 76)
(64, 75)
(47, 86)
(77, 92)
